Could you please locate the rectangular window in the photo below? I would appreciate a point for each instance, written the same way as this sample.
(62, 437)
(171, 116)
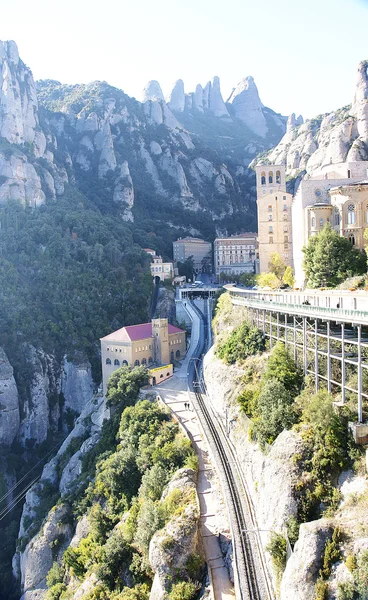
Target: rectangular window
(270, 240)
(285, 208)
(285, 228)
(270, 230)
(284, 197)
(286, 238)
(269, 208)
(270, 217)
(286, 246)
(321, 222)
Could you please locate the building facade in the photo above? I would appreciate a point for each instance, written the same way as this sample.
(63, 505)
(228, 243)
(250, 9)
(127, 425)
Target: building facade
(274, 215)
(326, 198)
(163, 270)
(149, 344)
(200, 250)
(235, 255)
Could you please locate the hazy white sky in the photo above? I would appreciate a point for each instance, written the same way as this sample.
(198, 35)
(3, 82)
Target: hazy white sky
(303, 54)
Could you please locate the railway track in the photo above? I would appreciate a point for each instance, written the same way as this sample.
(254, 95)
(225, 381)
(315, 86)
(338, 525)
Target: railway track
(252, 579)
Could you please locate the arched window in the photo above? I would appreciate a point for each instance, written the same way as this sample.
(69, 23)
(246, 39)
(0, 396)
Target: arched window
(270, 177)
(116, 363)
(108, 361)
(313, 221)
(177, 354)
(352, 239)
(136, 363)
(351, 214)
(144, 361)
(263, 178)
(337, 218)
(321, 222)
(278, 177)
(150, 360)
(125, 363)
(172, 356)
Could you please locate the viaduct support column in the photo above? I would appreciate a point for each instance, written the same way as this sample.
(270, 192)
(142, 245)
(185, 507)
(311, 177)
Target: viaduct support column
(343, 382)
(305, 362)
(328, 357)
(316, 353)
(360, 401)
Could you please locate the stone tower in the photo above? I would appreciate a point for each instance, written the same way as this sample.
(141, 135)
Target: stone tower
(274, 215)
(160, 334)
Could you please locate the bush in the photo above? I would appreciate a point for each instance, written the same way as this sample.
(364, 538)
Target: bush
(321, 590)
(346, 591)
(185, 590)
(332, 553)
(277, 548)
(275, 412)
(282, 367)
(244, 341)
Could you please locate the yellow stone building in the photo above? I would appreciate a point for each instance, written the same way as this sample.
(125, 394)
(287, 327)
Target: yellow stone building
(150, 344)
(274, 215)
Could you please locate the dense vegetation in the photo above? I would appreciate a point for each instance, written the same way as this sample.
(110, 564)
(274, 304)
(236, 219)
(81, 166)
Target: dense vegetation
(68, 275)
(139, 450)
(329, 259)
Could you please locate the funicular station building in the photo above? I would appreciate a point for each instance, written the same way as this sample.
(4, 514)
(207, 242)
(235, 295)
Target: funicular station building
(325, 332)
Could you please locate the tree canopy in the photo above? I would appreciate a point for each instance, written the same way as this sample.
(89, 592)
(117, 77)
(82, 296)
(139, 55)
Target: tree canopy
(330, 258)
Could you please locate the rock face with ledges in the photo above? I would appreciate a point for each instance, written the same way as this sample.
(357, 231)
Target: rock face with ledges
(9, 402)
(248, 107)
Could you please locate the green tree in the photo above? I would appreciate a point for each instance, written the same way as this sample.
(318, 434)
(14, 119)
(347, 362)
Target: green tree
(123, 385)
(288, 277)
(330, 258)
(275, 412)
(281, 367)
(244, 341)
(268, 280)
(276, 265)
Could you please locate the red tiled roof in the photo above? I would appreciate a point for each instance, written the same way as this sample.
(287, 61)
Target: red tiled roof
(133, 333)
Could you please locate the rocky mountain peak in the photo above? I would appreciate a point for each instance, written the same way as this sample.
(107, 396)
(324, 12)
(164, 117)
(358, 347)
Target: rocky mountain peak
(18, 100)
(248, 107)
(153, 92)
(216, 103)
(176, 100)
(359, 107)
(293, 122)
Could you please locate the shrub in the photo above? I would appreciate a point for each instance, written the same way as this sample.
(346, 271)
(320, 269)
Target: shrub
(282, 367)
(346, 591)
(332, 553)
(351, 563)
(321, 590)
(244, 341)
(185, 590)
(55, 591)
(275, 412)
(277, 548)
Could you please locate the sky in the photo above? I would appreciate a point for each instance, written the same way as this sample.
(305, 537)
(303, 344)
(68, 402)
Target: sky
(302, 54)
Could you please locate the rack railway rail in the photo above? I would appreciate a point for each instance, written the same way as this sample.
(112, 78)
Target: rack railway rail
(253, 581)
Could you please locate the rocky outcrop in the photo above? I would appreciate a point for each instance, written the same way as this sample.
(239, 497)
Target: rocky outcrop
(153, 92)
(76, 383)
(248, 107)
(172, 546)
(9, 402)
(37, 559)
(303, 566)
(359, 107)
(176, 100)
(18, 99)
(331, 139)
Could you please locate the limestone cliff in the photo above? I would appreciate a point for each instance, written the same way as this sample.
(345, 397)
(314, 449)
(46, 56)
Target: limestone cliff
(9, 402)
(329, 139)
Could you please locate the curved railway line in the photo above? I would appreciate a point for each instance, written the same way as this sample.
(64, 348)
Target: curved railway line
(252, 574)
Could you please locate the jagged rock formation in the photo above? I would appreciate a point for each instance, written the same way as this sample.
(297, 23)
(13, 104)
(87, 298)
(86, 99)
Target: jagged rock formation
(248, 106)
(330, 139)
(171, 547)
(9, 402)
(56, 135)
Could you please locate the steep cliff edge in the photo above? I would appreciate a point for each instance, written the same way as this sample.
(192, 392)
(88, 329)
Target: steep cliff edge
(302, 483)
